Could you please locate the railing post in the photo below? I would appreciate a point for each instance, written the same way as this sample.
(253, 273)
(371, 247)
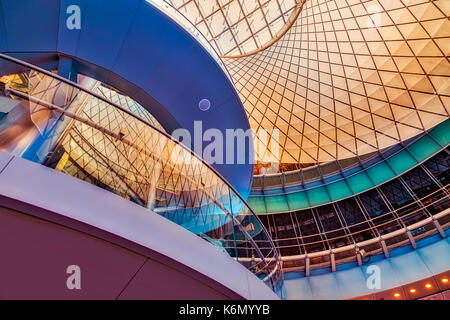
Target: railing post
(411, 238)
(358, 255)
(384, 247)
(4, 89)
(333, 261)
(307, 266)
(438, 227)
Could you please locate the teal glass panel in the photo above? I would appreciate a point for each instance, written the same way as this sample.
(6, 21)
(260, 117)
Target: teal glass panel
(359, 182)
(380, 173)
(442, 133)
(257, 204)
(276, 203)
(401, 162)
(423, 148)
(318, 196)
(297, 200)
(339, 190)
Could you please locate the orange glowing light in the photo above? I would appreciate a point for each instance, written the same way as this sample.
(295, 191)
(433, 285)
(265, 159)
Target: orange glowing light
(444, 280)
(428, 286)
(412, 290)
(396, 294)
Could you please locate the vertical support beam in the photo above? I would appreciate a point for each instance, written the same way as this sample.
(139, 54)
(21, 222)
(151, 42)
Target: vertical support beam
(49, 126)
(66, 70)
(411, 238)
(307, 266)
(332, 261)
(358, 255)
(152, 183)
(438, 227)
(4, 89)
(384, 247)
(234, 230)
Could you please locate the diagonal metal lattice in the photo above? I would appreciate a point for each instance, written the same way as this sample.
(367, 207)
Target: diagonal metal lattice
(237, 27)
(350, 77)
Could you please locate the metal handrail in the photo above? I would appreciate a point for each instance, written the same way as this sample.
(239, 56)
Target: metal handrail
(326, 253)
(362, 222)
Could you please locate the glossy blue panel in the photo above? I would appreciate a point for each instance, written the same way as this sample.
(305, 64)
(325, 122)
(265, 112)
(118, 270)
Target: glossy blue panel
(356, 278)
(31, 25)
(105, 27)
(325, 287)
(388, 277)
(437, 256)
(401, 161)
(318, 196)
(68, 38)
(149, 51)
(338, 190)
(297, 289)
(359, 182)
(276, 203)
(380, 173)
(293, 188)
(3, 41)
(297, 200)
(423, 147)
(257, 204)
(410, 267)
(442, 133)
(272, 192)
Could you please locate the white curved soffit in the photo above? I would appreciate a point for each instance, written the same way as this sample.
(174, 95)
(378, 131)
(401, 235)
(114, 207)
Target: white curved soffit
(49, 189)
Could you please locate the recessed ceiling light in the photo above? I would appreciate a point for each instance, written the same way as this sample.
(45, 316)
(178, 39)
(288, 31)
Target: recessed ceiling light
(204, 104)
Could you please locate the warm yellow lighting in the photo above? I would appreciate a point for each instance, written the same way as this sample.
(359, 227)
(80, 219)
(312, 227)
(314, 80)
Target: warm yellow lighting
(428, 286)
(397, 295)
(412, 290)
(321, 97)
(444, 280)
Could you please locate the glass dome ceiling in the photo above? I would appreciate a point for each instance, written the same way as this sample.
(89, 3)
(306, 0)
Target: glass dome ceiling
(347, 78)
(350, 77)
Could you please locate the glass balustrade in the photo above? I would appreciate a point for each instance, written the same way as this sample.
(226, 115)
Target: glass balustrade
(47, 119)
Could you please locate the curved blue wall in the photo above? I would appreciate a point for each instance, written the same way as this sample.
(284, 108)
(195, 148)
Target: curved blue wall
(134, 47)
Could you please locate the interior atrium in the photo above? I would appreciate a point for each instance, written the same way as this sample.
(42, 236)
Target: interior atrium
(343, 192)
